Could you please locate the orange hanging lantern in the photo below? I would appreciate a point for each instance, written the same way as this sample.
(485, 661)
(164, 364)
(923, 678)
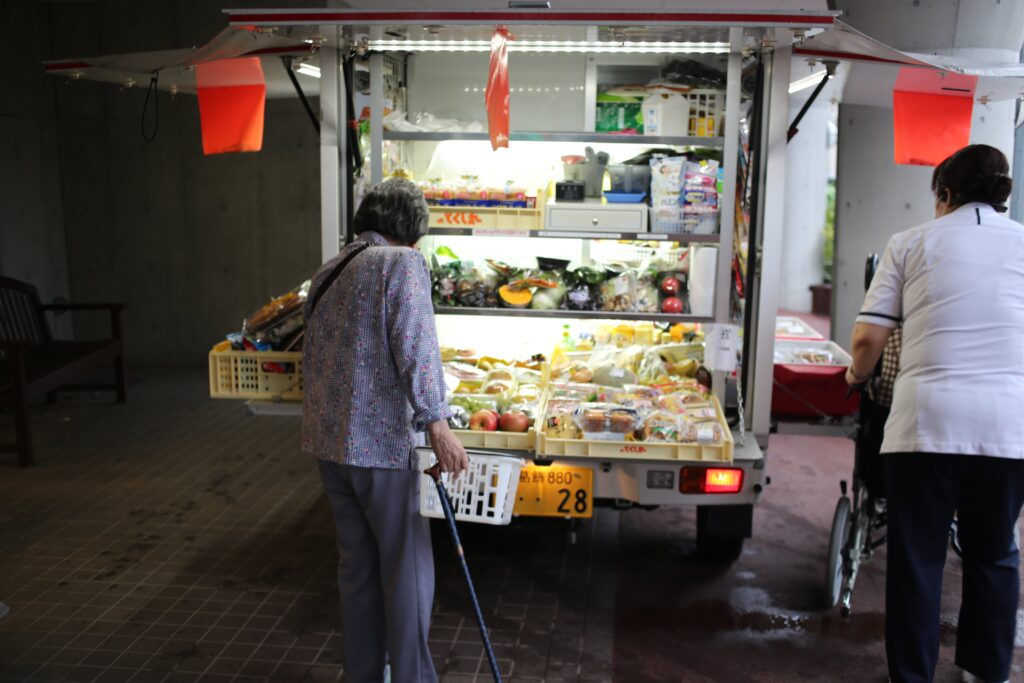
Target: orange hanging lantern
(931, 115)
(496, 95)
(232, 97)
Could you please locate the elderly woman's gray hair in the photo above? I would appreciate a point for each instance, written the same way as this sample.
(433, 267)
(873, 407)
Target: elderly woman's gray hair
(396, 209)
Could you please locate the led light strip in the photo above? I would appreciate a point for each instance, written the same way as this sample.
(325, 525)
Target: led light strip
(548, 46)
(807, 81)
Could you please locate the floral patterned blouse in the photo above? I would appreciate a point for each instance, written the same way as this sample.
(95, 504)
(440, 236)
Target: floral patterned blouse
(371, 362)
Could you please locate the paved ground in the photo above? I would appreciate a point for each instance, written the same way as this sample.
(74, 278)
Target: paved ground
(176, 539)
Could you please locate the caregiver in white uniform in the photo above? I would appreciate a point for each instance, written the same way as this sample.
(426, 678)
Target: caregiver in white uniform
(954, 441)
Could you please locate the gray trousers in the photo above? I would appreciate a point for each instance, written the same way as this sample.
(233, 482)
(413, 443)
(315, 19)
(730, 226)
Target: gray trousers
(385, 572)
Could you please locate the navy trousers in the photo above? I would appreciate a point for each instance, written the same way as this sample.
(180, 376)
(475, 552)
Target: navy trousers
(925, 490)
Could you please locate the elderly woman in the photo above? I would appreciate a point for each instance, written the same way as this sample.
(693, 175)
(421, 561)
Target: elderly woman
(954, 441)
(373, 379)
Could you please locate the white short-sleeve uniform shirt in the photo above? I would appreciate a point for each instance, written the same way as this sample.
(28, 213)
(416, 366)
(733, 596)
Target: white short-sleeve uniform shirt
(956, 284)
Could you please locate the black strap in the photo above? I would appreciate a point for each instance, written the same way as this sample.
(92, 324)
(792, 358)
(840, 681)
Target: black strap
(329, 280)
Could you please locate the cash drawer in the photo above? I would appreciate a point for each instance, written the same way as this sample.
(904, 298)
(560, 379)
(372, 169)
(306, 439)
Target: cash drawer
(586, 216)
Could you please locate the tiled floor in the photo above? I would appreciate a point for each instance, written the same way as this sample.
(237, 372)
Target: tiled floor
(177, 539)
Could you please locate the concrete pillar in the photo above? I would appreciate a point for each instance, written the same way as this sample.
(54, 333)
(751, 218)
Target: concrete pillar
(804, 223)
(875, 198)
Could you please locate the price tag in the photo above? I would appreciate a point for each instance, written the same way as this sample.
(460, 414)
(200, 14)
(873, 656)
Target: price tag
(720, 345)
(500, 232)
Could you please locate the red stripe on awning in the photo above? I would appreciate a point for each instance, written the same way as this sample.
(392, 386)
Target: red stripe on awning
(831, 54)
(62, 66)
(280, 50)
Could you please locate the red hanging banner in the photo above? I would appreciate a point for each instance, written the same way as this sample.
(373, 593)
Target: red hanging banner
(232, 96)
(931, 115)
(496, 95)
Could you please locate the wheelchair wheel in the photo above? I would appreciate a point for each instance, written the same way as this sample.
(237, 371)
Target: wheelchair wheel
(835, 570)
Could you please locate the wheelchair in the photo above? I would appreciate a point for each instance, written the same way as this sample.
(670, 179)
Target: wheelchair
(859, 521)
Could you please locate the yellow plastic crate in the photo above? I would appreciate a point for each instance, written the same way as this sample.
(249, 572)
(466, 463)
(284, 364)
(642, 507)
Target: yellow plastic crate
(512, 441)
(489, 217)
(248, 374)
(642, 450)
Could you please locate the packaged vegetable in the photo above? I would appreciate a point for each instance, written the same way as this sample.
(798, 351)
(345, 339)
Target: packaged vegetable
(560, 420)
(474, 402)
(613, 376)
(549, 290)
(459, 418)
(652, 369)
(476, 287)
(648, 299)
(618, 293)
(582, 288)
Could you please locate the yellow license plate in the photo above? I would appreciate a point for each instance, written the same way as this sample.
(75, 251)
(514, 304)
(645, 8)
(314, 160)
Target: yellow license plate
(555, 491)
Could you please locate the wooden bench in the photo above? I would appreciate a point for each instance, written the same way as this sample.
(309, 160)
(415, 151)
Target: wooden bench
(34, 364)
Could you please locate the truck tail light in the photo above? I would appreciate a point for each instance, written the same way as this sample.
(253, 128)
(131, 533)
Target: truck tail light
(710, 480)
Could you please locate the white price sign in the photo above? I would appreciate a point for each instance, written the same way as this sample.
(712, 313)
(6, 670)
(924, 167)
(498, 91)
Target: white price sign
(720, 345)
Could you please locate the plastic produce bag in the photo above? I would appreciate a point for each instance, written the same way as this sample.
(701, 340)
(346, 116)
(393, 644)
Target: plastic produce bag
(496, 94)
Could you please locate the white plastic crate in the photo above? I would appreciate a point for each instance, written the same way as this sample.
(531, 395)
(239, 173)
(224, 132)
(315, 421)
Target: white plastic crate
(484, 493)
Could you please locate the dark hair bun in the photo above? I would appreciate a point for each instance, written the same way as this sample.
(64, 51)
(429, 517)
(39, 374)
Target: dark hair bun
(998, 188)
(976, 173)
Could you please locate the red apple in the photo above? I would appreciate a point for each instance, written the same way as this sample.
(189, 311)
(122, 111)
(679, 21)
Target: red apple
(671, 285)
(484, 420)
(672, 304)
(514, 421)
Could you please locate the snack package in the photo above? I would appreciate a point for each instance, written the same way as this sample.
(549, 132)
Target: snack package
(526, 394)
(527, 375)
(699, 432)
(499, 387)
(804, 356)
(606, 421)
(639, 392)
(468, 386)
(699, 197)
(500, 373)
(660, 425)
(463, 371)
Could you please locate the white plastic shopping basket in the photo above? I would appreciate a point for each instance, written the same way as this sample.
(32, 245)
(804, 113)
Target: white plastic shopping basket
(484, 493)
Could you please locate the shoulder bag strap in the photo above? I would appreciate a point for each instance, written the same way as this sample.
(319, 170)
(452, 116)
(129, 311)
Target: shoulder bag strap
(329, 280)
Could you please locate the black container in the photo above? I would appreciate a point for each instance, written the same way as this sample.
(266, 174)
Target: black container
(570, 190)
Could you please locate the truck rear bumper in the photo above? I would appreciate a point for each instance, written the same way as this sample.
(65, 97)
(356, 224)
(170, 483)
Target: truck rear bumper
(628, 482)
